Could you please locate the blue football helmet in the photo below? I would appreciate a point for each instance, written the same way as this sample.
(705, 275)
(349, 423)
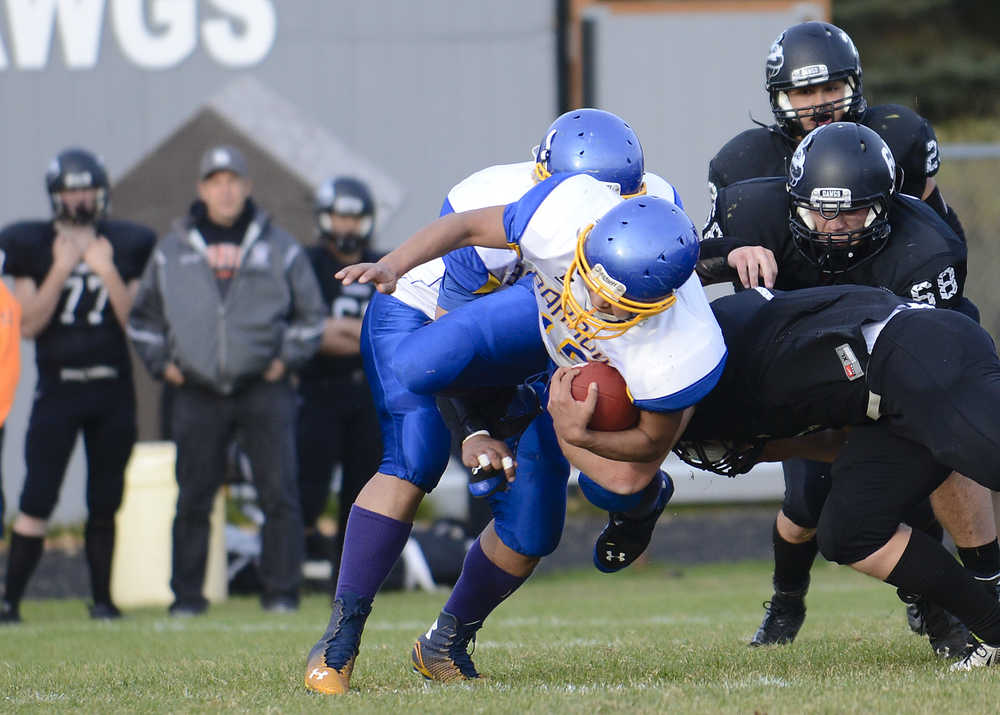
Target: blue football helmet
(596, 142)
(634, 257)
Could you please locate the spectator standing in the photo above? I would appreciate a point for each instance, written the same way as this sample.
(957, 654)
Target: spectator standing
(226, 309)
(337, 422)
(75, 276)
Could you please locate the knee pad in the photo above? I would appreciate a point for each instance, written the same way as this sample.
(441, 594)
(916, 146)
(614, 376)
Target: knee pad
(807, 484)
(847, 534)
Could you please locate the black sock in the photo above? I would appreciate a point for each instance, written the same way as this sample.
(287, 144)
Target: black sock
(99, 540)
(983, 561)
(792, 563)
(927, 569)
(25, 553)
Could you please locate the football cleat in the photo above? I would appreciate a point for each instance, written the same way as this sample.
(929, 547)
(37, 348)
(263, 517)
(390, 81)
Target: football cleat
(948, 636)
(623, 539)
(442, 653)
(977, 655)
(331, 660)
(915, 619)
(783, 617)
(106, 611)
(9, 613)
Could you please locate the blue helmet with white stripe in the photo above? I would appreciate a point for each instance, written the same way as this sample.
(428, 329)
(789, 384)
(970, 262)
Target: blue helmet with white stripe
(596, 142)
(635, 257)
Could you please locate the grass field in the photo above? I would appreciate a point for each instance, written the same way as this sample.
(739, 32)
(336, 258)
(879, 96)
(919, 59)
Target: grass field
(658, 639)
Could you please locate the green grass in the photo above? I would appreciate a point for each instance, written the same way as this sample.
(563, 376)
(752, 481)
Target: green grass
(662, 638)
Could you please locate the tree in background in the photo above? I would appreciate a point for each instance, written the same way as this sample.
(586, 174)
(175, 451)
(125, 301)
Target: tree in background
(940, 57)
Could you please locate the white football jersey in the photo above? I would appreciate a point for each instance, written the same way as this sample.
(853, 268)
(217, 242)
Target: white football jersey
(493, 186)
(669, 360)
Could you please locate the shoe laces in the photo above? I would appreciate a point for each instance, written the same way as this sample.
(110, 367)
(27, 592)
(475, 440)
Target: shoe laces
(350, 614)
(461, 647)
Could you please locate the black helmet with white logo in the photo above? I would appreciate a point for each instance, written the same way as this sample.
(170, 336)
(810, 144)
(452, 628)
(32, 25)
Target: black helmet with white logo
(812, 53)
(840, 167)
(345, 196)
(77, 169)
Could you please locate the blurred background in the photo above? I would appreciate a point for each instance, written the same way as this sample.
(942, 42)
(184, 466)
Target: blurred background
(413, 96)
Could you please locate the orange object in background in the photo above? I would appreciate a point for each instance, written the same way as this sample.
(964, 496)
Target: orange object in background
(10, 349)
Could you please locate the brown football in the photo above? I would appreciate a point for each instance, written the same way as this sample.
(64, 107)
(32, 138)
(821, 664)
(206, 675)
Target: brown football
(615, 410)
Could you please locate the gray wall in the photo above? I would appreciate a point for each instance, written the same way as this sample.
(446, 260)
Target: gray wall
(686, 81)
(424, 92)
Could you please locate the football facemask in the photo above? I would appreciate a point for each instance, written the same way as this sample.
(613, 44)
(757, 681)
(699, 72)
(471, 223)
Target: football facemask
(595, 324)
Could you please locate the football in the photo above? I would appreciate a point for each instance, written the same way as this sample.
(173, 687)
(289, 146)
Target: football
(615, 410)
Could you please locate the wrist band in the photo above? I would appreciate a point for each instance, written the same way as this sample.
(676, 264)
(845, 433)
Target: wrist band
(475, 434)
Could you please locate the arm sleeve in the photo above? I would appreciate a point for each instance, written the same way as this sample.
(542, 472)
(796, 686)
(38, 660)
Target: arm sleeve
(308, 312)
(147, 325)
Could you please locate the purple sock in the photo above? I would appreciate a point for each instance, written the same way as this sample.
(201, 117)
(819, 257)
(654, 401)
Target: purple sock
(480, 588)
(372, 543)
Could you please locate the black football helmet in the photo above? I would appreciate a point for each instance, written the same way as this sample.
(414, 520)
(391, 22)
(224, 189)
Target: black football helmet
(345, 196)
(812, 53)
(77, 169)
(840, 167)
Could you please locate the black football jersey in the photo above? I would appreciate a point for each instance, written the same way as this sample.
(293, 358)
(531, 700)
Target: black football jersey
(796, 362)
(343, 302)
(923, 260)
(766, 151)
(83, 331)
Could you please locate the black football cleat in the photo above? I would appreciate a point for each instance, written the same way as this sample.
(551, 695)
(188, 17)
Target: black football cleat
(783, 617)
(915, 619)
(623, 539)
(948, 636)
(331, 660)
(442, 653)
(9, 613)
(105, 611)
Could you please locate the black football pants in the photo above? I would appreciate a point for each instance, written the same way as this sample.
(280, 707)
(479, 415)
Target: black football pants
(104, 411)
(337, 424)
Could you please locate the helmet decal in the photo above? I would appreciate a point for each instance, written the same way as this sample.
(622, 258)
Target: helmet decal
(775, 58)
(797, 165)
(890, 162)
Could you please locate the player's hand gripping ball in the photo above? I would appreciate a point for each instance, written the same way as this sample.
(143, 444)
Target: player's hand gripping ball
(615, 410)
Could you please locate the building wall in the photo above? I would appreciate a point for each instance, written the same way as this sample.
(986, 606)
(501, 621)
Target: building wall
(423, 93)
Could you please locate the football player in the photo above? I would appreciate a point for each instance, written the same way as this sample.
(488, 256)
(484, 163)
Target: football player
(75, 277)
(813, 77)
(415, 438)
(612, 282)
(918, 387)
(337, 421)
(838, 218)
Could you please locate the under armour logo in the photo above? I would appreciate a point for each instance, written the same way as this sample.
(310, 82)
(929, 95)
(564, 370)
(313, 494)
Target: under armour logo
(612, 556)
(318, 673)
